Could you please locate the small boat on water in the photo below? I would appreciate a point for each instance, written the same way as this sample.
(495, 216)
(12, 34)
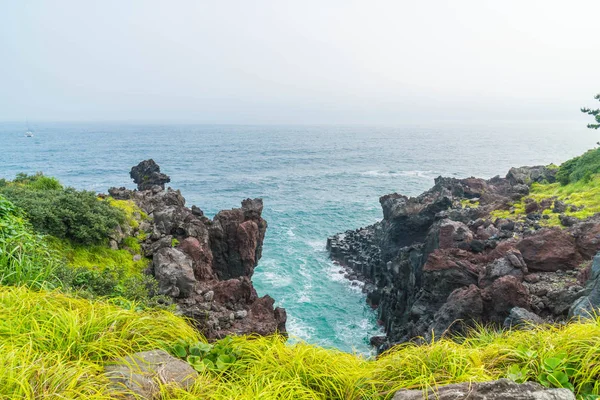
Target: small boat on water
(29, 132)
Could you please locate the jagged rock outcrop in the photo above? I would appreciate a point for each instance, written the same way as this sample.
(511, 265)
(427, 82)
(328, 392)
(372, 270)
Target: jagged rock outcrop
(437, 262)
(204, 265)
(147, 175)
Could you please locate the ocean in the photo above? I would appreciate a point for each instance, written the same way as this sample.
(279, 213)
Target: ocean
(315, 181)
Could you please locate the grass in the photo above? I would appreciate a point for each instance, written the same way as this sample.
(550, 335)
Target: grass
(54, 346)
(582, 193)
(25, 256)
(133, 214)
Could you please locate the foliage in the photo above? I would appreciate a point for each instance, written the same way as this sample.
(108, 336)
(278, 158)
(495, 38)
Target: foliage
(53, 346)
(595, 113)
(65, 213)
(217, 357)
(585, 195)
(37, 181)
(133, 214)
(583, 167)
(26, 258)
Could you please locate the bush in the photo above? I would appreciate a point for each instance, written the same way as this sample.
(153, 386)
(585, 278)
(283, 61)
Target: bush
(38, 181)
(579, 168)
(26, 258)
(65, 213)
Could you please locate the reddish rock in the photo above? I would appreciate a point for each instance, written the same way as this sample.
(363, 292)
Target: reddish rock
(234, 291)
(504, 294)
(201, 256)
(549, 250)
(236, 238)
(532, 207)
(587, 237)
(464, 305)
(451, 233)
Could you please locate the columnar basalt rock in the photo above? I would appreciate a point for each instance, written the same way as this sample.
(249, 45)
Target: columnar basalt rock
(204, 265)
(440, 258)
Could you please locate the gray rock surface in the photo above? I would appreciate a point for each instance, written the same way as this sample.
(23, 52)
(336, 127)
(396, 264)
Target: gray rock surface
(502, 389)
(138, 375)
(588, 306)
(174, 273)
(521, 318)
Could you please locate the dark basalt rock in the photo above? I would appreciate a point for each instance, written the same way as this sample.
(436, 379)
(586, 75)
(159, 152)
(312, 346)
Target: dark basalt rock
(205, 265)
(147, 175)
(438, 258)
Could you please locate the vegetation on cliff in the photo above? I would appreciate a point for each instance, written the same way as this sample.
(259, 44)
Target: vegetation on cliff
(577, 187)
(69, 306)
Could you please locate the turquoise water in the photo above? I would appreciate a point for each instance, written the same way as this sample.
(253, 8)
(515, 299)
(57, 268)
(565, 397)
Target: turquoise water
(315, 181)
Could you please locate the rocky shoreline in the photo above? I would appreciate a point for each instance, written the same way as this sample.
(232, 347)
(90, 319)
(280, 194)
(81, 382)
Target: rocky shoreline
(440, 263)
(205, 266)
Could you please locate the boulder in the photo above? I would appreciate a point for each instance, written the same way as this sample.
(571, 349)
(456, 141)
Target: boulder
(520, 318)
(464, 305)
(549, 250)
(502, 295)
(136, 376)
(529, 175)
(496, 269)
(588, 306)
(502, 389)
(174, 272)
(147, 175)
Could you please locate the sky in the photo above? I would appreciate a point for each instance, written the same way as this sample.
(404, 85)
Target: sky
(298, 62)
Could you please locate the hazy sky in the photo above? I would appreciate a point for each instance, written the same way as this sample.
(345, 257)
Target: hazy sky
(300, 61)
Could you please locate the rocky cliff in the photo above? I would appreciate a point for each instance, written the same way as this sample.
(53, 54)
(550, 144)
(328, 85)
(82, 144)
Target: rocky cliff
(440, 262)
(204, 265)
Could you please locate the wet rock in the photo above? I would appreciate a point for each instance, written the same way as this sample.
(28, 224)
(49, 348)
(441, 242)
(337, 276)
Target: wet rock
(502, 389)
(136, 376)
(147, 175)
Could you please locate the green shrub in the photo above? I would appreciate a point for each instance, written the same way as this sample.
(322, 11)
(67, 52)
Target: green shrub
(38, 181)
(26, 258)
(579, 168)
(66, 213)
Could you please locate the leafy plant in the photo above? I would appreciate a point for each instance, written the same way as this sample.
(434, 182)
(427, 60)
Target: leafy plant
(217, 357)
(556, 372)
(66, 213)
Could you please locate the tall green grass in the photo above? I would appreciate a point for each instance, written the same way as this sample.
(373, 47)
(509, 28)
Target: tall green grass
(54, 346)
(25, 257)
